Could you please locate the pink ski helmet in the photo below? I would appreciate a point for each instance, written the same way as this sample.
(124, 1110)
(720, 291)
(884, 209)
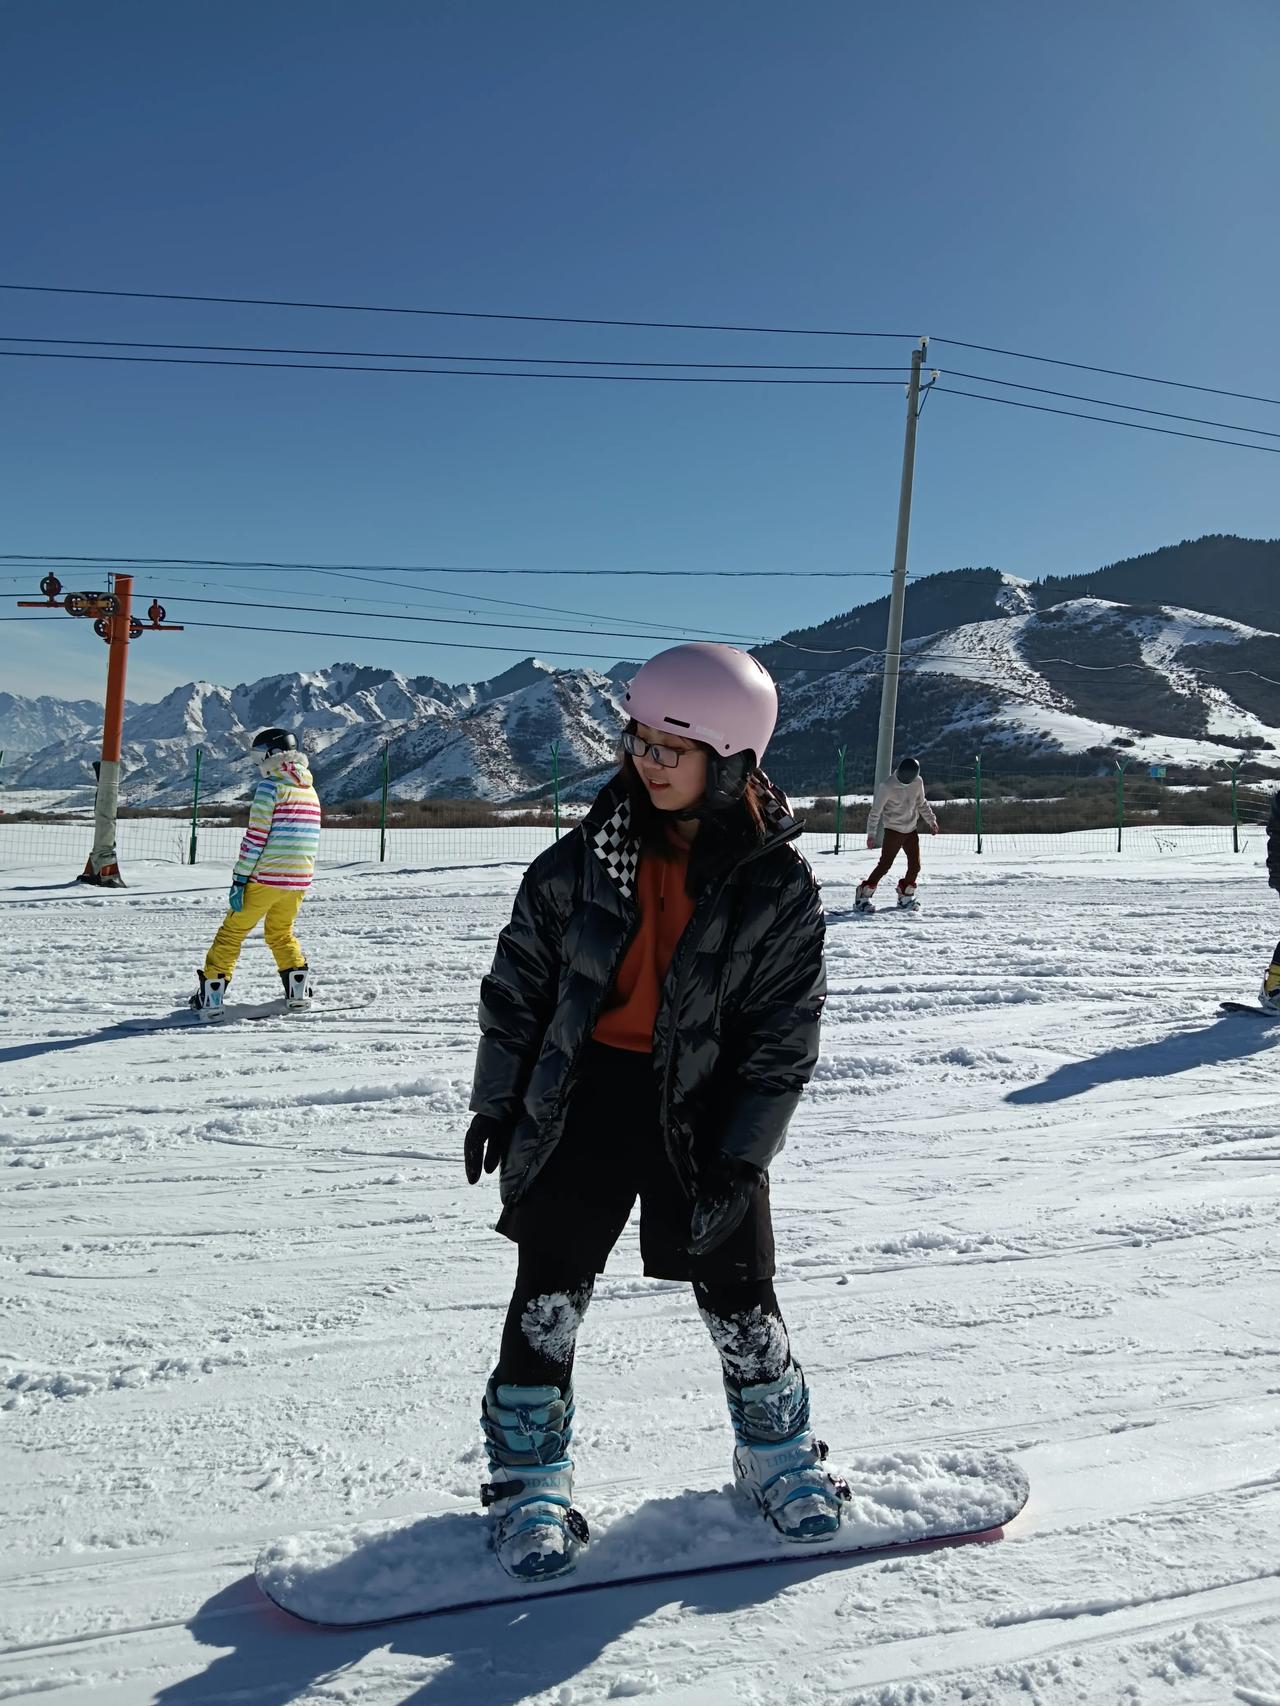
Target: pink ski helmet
(707, 692)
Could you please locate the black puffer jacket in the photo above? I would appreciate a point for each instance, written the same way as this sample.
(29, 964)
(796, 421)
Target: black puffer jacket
(736, 1036)
(1273, 843)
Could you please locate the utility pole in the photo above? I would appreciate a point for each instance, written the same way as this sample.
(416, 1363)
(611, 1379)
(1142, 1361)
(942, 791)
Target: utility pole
(114, 622)
(898, 591)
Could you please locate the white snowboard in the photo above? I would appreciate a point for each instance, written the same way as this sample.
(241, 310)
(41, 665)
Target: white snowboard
(417, 1567)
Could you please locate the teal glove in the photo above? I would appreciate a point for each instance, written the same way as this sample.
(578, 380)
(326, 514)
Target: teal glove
(235, 900)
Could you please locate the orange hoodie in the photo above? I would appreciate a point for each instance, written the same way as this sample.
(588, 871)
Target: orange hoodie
(665, 909)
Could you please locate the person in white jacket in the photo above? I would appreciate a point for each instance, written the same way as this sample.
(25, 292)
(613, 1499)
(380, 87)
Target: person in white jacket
(899, 805)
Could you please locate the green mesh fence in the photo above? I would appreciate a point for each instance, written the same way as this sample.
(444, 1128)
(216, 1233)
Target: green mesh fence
(982, 806)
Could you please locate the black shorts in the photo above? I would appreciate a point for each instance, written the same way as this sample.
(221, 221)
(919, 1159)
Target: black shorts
(611, 1152)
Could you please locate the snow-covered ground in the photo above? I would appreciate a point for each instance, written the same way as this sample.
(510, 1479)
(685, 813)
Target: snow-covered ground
(1030, 1203)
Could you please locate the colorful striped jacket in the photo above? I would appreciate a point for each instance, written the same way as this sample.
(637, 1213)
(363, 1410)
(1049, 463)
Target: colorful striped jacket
(280, 844)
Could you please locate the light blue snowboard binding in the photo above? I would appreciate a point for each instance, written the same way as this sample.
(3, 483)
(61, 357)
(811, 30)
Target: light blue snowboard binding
(537, 1533)
(779, 1464)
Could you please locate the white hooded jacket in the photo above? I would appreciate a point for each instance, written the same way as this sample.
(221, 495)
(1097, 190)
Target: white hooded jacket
(900, 806)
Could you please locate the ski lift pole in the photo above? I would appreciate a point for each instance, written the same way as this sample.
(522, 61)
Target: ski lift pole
(111, 613)
(555, 783)
(840, 752)
(382, 823)
(195, 808)
(1235, 806)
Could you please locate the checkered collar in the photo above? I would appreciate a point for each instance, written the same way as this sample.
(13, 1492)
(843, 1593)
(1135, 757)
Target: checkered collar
(610, 839)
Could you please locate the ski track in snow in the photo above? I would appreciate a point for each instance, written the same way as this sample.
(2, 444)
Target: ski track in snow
(1029, 1204)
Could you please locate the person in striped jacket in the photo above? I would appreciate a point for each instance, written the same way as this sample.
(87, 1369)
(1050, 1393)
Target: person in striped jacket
(271, 875)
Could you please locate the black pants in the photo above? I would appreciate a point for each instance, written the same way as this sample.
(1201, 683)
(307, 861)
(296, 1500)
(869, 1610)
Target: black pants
(540, 1334)
(611, 1153)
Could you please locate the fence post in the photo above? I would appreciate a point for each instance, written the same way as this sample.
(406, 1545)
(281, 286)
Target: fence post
(1235, 806)
(195, 808)
(1121, 766)
(977, 795)
(555, 782)
(840, 752)
(382, 819)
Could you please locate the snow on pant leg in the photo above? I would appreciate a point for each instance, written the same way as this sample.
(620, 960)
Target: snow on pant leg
(747, 1329)
(889, 851)
(278, 925)
(225, 948)
(911, 843)
(543, 1317)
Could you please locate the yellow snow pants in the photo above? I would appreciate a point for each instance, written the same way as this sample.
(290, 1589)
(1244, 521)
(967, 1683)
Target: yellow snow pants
(277, 911)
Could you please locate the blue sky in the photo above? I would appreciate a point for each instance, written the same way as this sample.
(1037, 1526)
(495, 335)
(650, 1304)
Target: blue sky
(1094, 182)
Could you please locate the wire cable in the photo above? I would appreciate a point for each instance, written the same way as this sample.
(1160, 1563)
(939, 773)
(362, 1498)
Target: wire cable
(1077, 414)
(1111, 372)
(429, 372)
(1109, 403)
(453, 568)
(414, 355)
(651, 325)
(442, 621)
(443, 313)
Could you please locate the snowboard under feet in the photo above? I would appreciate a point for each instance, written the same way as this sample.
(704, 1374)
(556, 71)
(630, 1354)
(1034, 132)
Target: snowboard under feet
(1254, 1007)
(244, 1012)
(383, 1572)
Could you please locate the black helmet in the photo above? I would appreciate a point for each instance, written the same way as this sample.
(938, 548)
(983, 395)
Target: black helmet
(908, 770)
(274, 740)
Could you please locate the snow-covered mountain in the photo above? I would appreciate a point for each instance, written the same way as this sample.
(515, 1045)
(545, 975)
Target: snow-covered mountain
(27, 725)
(489, 739)
(986, 664)
(1087, 676)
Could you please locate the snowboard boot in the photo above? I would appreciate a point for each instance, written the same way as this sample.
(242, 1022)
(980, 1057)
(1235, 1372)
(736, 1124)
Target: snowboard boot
(1270, 996)
(298, 988)
(863, 898)
(906, 894)
(537, 1533)
(207, 1000)
(779, 1464)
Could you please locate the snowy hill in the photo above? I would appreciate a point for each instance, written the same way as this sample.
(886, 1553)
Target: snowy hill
(1158, 683)
(1028, 1203)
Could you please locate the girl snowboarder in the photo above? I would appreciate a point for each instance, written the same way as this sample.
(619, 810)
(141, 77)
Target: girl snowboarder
(271, 875)
(648, 1025)
(899, 805)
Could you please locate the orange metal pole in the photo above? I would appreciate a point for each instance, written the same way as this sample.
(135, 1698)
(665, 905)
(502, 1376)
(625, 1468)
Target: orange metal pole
(103, 867)
(117, 666)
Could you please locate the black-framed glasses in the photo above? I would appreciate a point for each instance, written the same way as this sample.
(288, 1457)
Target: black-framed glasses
(667, 756)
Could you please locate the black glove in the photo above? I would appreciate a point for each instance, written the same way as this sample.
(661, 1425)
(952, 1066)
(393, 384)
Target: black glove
(486, 1139)
(724, 1196)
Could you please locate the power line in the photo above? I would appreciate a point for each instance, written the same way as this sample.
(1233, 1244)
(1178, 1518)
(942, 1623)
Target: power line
(443, 313)
(1112, 372)
(106, 560)
(430, 372)
(1077, 414)
(415, 355)
(649, 325)
(1109, 403)
(151, 577)
(446, 621)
